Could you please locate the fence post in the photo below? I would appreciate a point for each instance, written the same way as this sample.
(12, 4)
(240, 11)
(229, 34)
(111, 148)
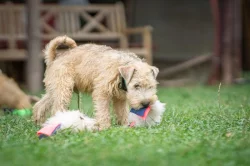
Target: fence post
(34, 66)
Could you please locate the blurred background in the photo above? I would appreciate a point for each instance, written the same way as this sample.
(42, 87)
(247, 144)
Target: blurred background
(191, 42)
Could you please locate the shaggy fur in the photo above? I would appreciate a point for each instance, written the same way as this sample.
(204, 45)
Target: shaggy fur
(77, 121)
(98, 70)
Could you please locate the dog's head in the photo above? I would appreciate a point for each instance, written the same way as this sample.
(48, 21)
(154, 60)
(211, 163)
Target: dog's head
(141, 84)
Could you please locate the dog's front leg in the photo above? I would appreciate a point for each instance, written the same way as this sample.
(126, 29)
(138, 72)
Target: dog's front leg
(42, 108)
(121, 111)
(101, 105)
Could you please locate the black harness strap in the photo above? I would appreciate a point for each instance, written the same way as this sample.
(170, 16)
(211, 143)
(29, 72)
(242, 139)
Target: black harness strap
(122, 84)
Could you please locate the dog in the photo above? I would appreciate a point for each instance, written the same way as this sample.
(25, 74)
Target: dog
(109, 75)
(77, 121)
(11, 96)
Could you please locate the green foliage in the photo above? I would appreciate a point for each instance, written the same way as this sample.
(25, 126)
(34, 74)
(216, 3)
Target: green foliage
(200, 127)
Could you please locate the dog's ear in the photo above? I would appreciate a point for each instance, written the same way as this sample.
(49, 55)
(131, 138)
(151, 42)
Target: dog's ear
(127, 72)
(155, 71)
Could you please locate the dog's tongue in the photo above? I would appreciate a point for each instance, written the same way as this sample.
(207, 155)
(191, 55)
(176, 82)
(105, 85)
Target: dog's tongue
(143, 112)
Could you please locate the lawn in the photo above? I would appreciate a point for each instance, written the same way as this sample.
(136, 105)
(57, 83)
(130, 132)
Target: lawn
(200, 127)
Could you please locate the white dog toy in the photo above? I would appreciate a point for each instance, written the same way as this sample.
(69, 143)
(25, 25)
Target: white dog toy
(77, 121)
(148, 116)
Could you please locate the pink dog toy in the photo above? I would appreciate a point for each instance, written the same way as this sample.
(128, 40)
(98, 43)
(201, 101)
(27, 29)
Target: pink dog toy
(142, 113)
(48, 130)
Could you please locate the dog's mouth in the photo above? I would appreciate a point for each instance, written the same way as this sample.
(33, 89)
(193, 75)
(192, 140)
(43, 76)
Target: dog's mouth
(137, 106)
(144, 103)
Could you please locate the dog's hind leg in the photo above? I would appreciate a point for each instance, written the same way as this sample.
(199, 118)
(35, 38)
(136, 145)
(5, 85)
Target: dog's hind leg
(41, 109)
(62, 93)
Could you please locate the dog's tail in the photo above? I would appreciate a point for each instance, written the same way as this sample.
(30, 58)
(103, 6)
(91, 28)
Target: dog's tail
(50, 49)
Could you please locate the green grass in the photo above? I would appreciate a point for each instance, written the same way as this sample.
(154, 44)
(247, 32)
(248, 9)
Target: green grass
(200, 127)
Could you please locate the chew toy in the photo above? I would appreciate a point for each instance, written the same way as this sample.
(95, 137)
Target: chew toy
(19, 112)
(48, 130)
(22, 112)
(142, 113)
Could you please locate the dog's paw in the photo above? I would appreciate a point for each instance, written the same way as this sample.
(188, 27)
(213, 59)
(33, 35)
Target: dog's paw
(95, 127)
(38, 120)
(102, 126)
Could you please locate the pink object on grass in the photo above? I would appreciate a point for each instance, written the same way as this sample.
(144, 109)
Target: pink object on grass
(142, 113)
(48, 130)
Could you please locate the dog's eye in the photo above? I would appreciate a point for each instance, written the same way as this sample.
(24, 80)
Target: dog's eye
(136, 86)
(151, 87)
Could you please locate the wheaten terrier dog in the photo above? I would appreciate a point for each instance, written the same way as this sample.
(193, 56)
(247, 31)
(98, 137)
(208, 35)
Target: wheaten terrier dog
(108, 74)
(11, 96)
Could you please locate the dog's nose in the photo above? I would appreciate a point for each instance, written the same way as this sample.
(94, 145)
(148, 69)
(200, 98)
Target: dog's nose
(145, 103)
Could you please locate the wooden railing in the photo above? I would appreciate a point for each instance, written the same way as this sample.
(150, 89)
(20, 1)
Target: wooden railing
(82, 23)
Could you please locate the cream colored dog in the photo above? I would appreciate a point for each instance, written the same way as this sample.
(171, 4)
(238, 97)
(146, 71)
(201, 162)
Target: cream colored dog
(11, 96)
(108, 74)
